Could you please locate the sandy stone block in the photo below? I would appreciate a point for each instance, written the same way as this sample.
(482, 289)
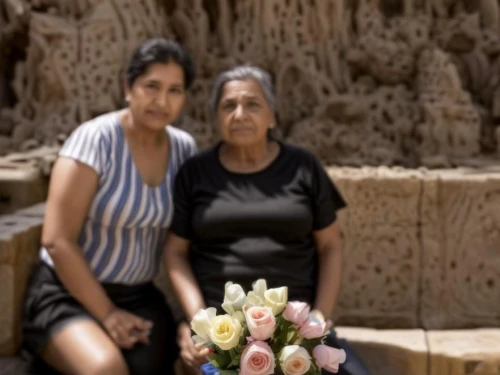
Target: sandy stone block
(464, 352)
(19, 245)
(381, 247)
(389, 352)
(6, 309)
(461, 257)
(21, 187)
(37, 210)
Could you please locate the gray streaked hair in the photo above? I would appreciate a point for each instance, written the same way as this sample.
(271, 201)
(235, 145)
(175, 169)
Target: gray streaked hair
(239, 73)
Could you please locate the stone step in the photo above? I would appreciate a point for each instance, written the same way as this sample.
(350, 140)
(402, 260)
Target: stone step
(420, 352)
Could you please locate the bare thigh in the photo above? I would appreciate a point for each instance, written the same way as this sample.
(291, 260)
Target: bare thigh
(82, 347)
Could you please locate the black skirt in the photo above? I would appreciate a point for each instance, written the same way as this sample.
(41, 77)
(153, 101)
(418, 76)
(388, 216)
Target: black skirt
(49, 307)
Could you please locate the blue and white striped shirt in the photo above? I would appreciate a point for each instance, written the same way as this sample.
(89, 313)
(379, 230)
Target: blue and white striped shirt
(124, 231)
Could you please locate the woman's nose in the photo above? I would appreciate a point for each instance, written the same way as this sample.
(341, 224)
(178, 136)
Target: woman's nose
(162, 100)
(239, 111)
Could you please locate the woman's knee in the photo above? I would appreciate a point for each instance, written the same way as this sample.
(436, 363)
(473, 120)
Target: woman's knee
(106, 364)
(82, 347)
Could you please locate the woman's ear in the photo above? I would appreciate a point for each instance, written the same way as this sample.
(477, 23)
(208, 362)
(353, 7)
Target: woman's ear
(126, 90)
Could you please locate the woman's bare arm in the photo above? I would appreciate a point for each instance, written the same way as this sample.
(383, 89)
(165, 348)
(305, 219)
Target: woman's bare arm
(72, 188)
(181, 275)
(330, 268)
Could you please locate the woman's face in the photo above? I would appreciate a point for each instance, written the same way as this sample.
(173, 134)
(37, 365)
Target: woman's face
(157, 96)
(243, 115)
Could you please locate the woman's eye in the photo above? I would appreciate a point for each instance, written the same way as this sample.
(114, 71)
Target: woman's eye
(176, 90)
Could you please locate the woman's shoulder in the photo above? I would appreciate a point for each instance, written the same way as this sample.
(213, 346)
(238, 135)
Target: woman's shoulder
(99, 127)
(201, 161)
(299, 154)
(180, 136)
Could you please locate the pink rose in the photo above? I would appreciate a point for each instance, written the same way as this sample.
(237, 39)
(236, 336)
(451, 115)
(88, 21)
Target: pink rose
(296, 312)
(328, 358)
(312, 329)
(257, 359)
(260, 321)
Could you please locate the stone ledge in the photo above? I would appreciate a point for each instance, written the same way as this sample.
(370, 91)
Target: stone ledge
(419, 352)
(464, 352)
(19, 244)
(389, 352)
(21, 185)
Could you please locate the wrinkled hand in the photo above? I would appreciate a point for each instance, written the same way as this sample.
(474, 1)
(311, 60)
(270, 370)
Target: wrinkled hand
(193, 355)
(127, 329)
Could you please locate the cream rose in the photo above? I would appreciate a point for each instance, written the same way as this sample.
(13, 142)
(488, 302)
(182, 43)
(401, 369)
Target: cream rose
(234, 298)
(294, 360)
(276, 299)
(254, 300)
(201, 323)
(225, 331)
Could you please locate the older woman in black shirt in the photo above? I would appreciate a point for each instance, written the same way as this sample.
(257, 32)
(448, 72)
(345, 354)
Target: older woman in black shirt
(253, 207)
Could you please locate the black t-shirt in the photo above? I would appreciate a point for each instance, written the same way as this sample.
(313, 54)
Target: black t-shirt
(243, 227)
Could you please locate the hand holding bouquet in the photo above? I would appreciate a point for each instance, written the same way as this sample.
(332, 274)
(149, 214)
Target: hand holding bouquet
(263, 333)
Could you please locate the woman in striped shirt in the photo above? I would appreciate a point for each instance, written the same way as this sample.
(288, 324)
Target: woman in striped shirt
(91, 307)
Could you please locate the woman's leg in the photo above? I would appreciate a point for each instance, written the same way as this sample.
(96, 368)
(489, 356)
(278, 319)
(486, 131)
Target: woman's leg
(82, 347)
(354, 364)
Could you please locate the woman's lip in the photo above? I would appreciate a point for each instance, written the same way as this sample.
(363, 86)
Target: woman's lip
(157, 114)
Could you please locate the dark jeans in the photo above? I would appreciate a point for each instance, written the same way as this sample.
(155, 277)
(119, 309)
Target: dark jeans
(353, 364)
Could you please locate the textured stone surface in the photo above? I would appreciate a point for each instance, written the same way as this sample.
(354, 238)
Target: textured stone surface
(20, 186)
(19, 244)
(461, 249)
(381, 247)
(464, 352)
(6, 307)
(389, 352)
(393, 82)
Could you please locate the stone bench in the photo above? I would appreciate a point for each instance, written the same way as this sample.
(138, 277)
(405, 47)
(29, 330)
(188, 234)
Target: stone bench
(421, 252)
(420, 352)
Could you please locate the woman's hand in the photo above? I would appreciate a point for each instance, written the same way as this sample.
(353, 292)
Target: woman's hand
(318, 315)
(193, 355)
(127, 329)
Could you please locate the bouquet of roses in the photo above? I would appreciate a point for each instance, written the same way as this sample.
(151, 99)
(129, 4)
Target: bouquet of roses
(263, 333)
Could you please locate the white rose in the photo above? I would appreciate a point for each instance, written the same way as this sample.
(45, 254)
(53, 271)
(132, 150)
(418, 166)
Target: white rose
(234, 298)
(239, 315)
(276, 299)
(201, 323)
(294, 360)
(259, 288)
(254, 300)
(225, 331)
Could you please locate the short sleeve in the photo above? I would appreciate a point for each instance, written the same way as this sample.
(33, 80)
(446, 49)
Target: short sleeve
(181, 222)
(326, 199)
(192, 148)
(87, 145)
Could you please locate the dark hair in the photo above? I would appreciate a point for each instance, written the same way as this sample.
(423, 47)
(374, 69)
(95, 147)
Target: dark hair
(163, 51)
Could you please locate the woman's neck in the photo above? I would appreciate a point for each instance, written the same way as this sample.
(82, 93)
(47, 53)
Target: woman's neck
(249, 158)
(139, 134)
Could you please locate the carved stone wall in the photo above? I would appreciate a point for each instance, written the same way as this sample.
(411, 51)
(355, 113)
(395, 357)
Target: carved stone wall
(359, 82)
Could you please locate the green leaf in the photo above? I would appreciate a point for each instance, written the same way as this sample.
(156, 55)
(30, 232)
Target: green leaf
(235, 361)
(228, 372)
